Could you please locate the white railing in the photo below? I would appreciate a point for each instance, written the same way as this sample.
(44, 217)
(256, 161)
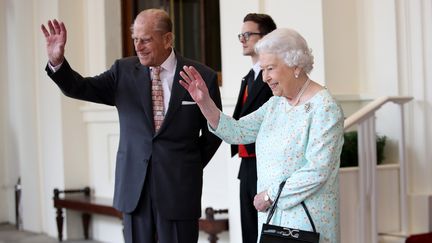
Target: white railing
(365, 121)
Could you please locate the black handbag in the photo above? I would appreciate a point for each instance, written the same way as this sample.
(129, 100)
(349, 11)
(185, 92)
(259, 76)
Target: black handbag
(278, 234)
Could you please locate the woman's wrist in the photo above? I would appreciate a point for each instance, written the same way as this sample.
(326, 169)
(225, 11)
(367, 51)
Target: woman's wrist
(267, 197)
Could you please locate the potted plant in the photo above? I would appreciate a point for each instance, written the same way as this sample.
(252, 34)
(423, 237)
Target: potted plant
(349, 155)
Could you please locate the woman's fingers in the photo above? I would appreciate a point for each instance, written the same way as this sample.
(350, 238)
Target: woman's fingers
(195, 74)
(192, 73)
(185, 77)
(191, 77)
(184, 84)
(188, 73)
(185, 74)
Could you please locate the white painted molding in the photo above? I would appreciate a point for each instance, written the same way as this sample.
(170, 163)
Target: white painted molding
(353, 97)
(94, 113)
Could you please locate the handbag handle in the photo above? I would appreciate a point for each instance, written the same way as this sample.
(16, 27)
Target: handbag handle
(273, 208)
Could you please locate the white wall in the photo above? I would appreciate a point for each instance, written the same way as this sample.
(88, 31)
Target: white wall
(360, 37)
(235, 65)
(341, 46)
(305, 17)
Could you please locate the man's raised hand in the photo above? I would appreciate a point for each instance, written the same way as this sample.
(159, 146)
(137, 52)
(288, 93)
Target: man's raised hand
(55, 41)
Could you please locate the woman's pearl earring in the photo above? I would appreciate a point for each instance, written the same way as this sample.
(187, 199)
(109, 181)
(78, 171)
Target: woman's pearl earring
(296, 75)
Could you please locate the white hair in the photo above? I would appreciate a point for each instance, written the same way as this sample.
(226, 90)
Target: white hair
(290, 46)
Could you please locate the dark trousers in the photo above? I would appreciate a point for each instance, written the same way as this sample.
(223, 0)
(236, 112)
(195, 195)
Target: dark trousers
(145, 225)
(248, 190)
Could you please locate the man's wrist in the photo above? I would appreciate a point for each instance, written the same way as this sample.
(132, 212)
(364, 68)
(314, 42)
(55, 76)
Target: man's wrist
(53, 67)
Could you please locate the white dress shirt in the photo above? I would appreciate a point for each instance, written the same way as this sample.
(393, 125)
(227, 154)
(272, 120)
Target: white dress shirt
(257, 69)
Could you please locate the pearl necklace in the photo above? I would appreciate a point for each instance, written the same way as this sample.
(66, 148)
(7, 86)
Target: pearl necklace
(299, 94)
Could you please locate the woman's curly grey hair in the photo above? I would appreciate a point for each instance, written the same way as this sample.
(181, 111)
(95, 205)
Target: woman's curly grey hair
(290, 46)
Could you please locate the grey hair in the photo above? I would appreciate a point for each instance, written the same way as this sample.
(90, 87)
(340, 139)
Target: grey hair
(160, 17)
(290, 46)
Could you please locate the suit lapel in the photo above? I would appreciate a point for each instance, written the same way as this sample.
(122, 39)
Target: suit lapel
(258, 85)
(143, 83)
(238, 107)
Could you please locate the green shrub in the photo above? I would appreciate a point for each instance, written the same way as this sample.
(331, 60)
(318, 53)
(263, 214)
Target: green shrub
(349, 156)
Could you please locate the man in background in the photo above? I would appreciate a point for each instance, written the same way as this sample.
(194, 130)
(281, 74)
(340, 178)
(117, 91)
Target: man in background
(253, 94)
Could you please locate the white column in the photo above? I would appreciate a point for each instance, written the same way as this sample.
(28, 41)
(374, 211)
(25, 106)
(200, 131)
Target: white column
(403, 175)
(48, 110)
(415, 35)
(6, 185)
(22, 118)
(367, 182)
(414, 31)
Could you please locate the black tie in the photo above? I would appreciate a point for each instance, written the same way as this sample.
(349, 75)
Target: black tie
(250, 80)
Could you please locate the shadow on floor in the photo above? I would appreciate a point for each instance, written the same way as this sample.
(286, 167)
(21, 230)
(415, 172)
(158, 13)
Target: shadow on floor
(9, 234)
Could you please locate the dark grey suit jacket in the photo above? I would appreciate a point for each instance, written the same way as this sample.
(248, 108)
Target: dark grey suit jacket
(178, 152)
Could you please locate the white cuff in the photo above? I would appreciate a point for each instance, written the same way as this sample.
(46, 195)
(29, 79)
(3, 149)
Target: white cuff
(54, 68)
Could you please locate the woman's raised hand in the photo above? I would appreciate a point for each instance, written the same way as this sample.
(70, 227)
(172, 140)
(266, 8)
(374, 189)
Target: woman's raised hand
(194, 84)
(197, 88)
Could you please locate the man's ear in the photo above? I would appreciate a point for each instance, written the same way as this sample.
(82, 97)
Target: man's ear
(168, 40)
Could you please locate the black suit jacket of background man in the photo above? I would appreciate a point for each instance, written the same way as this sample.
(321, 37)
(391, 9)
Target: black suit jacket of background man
(178, 152)
(260, 93)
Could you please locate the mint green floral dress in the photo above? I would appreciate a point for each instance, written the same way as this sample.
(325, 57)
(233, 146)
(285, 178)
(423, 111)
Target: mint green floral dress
(302, 145)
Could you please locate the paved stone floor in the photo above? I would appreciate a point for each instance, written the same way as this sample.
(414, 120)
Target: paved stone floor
(9, 234)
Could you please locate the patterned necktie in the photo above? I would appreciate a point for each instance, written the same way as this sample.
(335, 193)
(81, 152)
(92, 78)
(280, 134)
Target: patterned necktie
(157, 98)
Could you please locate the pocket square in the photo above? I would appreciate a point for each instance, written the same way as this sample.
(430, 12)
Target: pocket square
(185, 102)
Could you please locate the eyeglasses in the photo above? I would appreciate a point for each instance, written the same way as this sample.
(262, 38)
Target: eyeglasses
(246, 35)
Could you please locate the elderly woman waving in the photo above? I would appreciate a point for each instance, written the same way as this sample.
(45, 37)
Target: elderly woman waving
(298, 135)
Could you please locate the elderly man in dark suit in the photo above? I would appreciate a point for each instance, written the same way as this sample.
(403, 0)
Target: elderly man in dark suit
(164, 140)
